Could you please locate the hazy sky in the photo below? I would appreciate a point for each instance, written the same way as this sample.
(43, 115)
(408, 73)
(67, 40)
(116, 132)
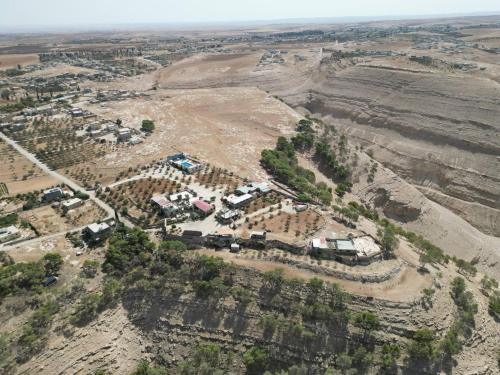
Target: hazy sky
(56, 13)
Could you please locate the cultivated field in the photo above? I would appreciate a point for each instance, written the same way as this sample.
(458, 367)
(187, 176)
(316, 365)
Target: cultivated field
(20, 175)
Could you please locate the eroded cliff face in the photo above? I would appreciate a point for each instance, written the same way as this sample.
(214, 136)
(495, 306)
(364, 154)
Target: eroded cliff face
(438, 131)
(404, 203)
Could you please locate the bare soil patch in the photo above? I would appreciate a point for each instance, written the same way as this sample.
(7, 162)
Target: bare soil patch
(13, 60)
(225, 127)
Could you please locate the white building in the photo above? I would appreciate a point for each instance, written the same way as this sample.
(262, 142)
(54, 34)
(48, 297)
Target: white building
(236, 201)
(72, 203)
(124, 134)
(9, 233)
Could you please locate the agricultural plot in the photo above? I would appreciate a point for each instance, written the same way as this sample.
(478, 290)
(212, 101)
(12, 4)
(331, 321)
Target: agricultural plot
(263, 201)
(286, 226)
(18, 175)
(218, 177)
(57, 144)
(134, 197)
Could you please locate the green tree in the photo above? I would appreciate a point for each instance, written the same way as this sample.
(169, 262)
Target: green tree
(144, 368)
(344, 362)
(422, 348)
(89, 268)
(274, 278)
(494, 305)
(388, 240)
(52, 263)
(361, 358)
(366, 321)
(148, 126)
(256, 360)
(390, 353)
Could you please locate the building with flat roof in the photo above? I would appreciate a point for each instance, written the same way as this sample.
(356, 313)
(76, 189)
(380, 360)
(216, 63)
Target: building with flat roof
(97, 231)
(182, 196)
(53, 194)
(167, 207)
(71, 204)
(236, 201)
(123, 134)
(228, 216)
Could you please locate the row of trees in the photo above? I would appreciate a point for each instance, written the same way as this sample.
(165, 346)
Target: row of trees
(282, 163)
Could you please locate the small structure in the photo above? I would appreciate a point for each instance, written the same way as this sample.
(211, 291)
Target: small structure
(323, 248)
(111, 127)
(182, 196)
(50, 281)
(228, 216)
(123, 134)
(253, 187)
(135, 140)
(235, 248)
(9, 233)
(300, 207)
(183, 162)
(164, 205)
(236, 201)
(76, 112)
(345, 247)
(97, 232)
(71, 204)
(203, 207)
(53, 194)
(258, 236)
(187, 165)
(175, 157)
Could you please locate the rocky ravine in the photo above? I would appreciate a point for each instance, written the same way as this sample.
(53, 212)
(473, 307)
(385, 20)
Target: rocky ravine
(437, 131)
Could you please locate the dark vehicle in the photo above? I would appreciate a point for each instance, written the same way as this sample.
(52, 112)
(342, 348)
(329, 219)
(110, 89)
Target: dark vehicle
(50, 280)
(192, 233)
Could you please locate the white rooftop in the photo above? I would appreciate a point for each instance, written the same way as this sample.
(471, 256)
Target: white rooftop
(234, 199)
(97, 227)
(71, 202)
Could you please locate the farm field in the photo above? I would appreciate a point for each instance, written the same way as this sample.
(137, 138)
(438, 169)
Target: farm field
(18, 174)
(285, 226)
(135, 196)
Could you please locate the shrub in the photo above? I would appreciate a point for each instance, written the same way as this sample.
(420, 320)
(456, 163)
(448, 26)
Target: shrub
(256, 360)
(89, 268)
(148, 126)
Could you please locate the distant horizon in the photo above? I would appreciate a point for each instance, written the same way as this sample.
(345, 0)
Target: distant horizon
(188, 25)
(63, 15)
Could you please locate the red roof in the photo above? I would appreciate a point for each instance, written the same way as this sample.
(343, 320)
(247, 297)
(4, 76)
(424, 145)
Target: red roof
(203, 206)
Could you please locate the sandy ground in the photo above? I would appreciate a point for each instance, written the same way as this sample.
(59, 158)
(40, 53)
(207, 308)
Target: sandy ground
(203, 68)
(11, 61)
(227, 127)
(48, 220)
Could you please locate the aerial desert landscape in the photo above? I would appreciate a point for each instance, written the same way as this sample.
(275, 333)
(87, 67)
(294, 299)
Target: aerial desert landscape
(272, 198)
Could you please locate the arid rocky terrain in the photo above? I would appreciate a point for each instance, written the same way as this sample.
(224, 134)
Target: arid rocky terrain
(387, 131)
